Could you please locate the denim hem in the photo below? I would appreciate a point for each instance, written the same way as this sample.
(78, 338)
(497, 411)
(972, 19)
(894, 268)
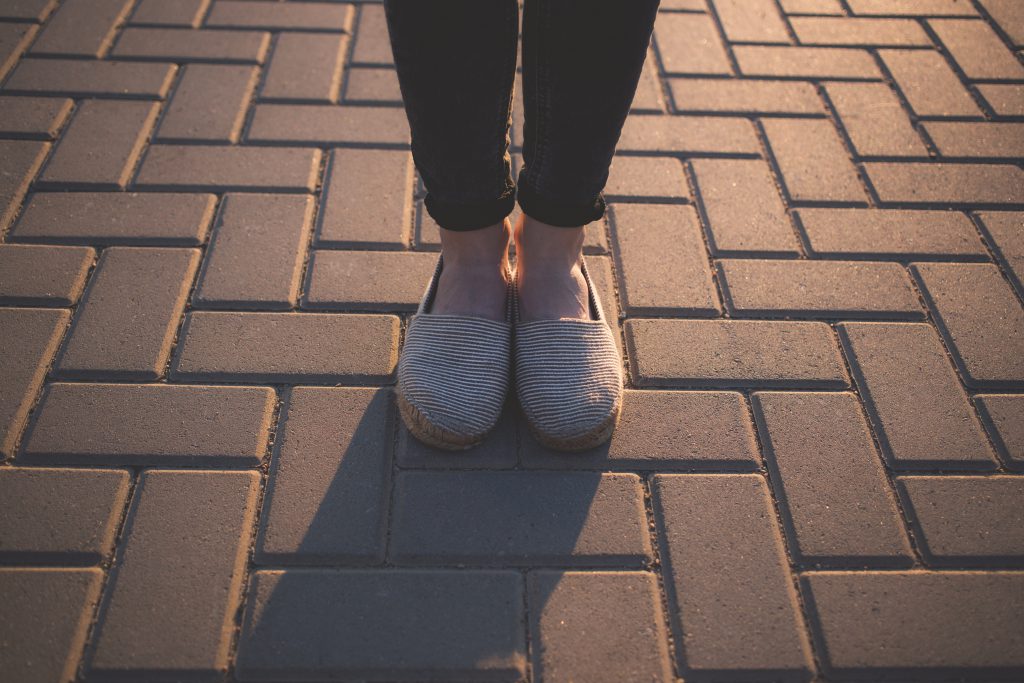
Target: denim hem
(559, 213)
(465, 217)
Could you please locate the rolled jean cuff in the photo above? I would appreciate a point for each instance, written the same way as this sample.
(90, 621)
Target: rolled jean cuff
(557, 212)
(464, 217)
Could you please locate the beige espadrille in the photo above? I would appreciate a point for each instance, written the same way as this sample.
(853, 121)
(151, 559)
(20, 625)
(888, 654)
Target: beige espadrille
(568, 376)
(453, 373)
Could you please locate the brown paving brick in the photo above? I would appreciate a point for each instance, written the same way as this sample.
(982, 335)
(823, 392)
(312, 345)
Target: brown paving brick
(30, 338)
(372, 43)
(914, 624)
(981, 319)
(811, 6)
(209, 104)
(63, 516)
(81, 28)
(697, 95)
(808, 289)
(36, 118)
(174, 592)
(85, 78)
(433, 624)
(689, 135)
(977, 49)
(145, 424)
(967, 520)
(329, 124)
(859, 31)
(343, 280)
(317, 348)
(192, 45)
(813, 162)
(19, 161)
(733, 605)
(46, 619)
(374, 86)
(43, 276)
(1005, 100)
(1010, 17)
(28, 10)
(890, 233)
(101, 146)
(733, 353)
(1005, 231)
(956, 139)
(663, 267)
(805, 62)
(1004, 415)
(14, 39)
(256, 254)
(126, 322)
(597, 626)
(182, 13)
(519, 519)
(327, 495)
(600, 269)
(872, 116)
(751, 21)
(912, 7)
(946, 184)
(305, 68)
(665, 430)
(311, 16)
(835, 498)
(368, 199)
(646, 177)
(689, 44)
(497, 451)
(929, 84)
(758, 223)
(648, 96)
(191, 167)
(921, 415)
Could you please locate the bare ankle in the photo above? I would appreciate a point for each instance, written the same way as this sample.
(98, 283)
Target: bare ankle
(477, 249)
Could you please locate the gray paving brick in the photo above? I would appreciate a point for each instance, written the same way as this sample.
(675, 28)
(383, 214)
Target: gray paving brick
(36, 118)
(812, 160)
(597, 626)
(202, 167)
(373, 86)
(912, 8)
(914, 624)
(697, 135)
(327, 495)
(28, 10)
(256, 254)
(309, 16)
(689, 44)
(305, 68)
(805, 62)
(192, 45)
(732, 602)
(81, 28)
(43, 276)
(921, 415)
(929, 84)
(646, 178)
(872, 31)
(339, 280)
(836, 500)
(810, 289)
(19, 161)
(31, 337)
(14, 39)
(497, 451)
(311, 348)
(663, 267)
(875, 121)
(981, 319)
(174, 593)
(372, 43)
(46, 620)
(947, 185)
(1004, 415)
(733, 353)
(519, 519)
(977, 49)
(181, 13)
(1005, 231)
(961, 139)
(86, 78)
(1004, 99)
(101, 146)
(327, 124)
(209, 104)
(60, 516)
(697, 95)
(437, 624)
(368, 199)
(648, 97)
(747, 21)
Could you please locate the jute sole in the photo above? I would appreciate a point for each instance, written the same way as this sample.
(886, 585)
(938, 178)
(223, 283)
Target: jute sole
(429, 433)
(595, 437)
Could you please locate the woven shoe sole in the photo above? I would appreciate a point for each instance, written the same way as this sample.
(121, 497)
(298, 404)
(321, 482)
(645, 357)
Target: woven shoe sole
(431, 434)
(584, 442)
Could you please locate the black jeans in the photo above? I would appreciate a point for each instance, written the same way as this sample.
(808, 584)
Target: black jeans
(456, 62)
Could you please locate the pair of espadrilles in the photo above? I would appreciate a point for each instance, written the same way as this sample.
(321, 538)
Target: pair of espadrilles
(455, 371)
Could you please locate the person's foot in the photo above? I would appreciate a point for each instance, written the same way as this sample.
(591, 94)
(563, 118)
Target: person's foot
(473, 279)
(549, 280)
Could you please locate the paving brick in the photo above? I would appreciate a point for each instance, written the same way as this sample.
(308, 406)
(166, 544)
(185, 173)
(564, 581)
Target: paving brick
(749, 96)
(324, 124)
(36, 118)
(912, 7)
(256, 255)
(698, 135)
(101, 146)
(193, 167)
(663, 267)
(956, 139)
(85, 78)
(689, 44)
(977, 49)
(327, 496)
(143, 424)
(597, 626)
(868, 31)
(192, 45)
(648, 97)
(19, 161)
(809, 289)
(174, 593)
(805, 62)
(60, 516)
(126, 322)
(312, 348)
(181, 13)
(209, 104)
(46, 619)
(836, 500)
(31, 337)
(638, 178)
(757, 224)
(890, 233)
(81, 28)
(373, 45)
(305, 68)
(1005, 232)
(339, 280)
(14, 39)
(914, 624)
(664, 430)
(967, 520)
(28, 10)
(1004, 415)
(309, 16)
(812, 160)
(116, 218)
(43, 276)
(733, 605)
(811, 7)
(921, 415)
(946, 185)
(434, 624)
(733, 353)
(928, 83)
(1005, 100)
(875, 121)
(374, 86)
(519, 519)
(1010, 17)
(981, 319)
(498, 451)
(747, 21)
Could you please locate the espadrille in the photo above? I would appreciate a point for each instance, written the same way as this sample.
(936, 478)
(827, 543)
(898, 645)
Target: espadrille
(568, 376)
(453, 373)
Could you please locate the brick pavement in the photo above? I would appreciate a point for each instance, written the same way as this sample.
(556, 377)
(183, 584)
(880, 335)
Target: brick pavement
(213, 236)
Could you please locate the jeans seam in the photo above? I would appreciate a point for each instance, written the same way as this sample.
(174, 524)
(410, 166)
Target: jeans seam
(541, 79)
(507, 91)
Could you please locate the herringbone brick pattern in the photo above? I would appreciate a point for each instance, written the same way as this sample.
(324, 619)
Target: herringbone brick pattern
(213, 236)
